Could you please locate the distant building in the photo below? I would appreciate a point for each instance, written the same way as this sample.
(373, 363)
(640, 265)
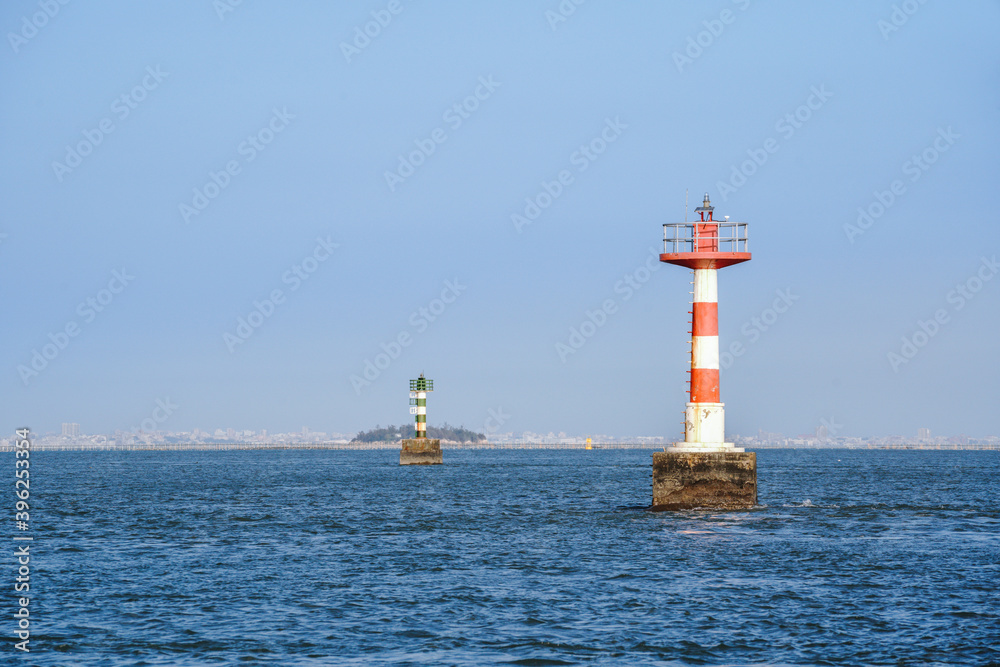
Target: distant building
(924, 433)
(71, 430)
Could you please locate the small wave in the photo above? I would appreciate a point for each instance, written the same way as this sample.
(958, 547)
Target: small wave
(236, 517)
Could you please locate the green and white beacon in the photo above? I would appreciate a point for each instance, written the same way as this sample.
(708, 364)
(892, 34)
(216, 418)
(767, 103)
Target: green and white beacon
(420, 449)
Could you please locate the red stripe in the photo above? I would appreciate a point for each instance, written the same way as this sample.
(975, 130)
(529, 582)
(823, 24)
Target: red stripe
(705, 385)
(706, 318)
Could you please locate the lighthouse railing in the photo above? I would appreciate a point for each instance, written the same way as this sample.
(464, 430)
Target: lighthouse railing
(680, 237)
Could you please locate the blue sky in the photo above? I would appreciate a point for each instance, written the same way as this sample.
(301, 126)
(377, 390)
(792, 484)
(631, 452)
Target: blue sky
(249, 149)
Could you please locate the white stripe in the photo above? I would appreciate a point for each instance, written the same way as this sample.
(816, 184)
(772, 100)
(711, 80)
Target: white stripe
(706, 286)
(705, 352)
(422, 409)
(706, 423)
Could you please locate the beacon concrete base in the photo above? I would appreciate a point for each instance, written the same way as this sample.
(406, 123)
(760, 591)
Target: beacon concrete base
(710, 480)
(420, 451)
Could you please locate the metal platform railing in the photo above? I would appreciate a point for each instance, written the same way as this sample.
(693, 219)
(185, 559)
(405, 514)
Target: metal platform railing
(421, 384)
(681, 237)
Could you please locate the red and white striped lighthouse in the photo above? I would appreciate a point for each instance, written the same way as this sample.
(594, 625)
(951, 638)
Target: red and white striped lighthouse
(705, 246)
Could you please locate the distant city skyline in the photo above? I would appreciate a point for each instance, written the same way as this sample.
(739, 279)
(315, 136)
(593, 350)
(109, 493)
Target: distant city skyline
(231, 434)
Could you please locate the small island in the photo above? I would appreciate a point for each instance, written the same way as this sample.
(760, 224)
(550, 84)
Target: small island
(445, 432)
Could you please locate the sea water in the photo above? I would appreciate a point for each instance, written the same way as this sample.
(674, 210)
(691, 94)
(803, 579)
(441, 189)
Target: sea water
(524, 557)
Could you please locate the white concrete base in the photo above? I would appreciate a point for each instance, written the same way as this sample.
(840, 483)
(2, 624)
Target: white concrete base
(703, 447)
(705, 423)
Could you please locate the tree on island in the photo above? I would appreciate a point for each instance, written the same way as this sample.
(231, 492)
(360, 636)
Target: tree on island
(443, 432)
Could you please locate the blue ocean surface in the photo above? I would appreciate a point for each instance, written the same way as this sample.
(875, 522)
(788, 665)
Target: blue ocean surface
(519, 557)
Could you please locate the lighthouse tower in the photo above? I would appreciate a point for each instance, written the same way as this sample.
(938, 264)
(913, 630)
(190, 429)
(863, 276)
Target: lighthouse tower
(420, 449)
(418, 403)
(704, 470)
